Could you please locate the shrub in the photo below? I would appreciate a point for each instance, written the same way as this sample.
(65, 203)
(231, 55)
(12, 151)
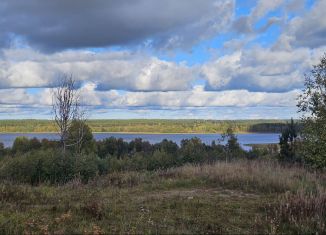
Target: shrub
(38, 166)
(192, 150)
(167, 146)
(44, 161)
(80, 138)
(162, 160)
(112, 146)
(2, 149)
(50, 166)
(87, 167)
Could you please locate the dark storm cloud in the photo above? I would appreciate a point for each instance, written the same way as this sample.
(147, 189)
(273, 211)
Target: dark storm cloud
(61, 24)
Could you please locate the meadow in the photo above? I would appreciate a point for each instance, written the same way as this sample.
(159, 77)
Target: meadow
(238, 197)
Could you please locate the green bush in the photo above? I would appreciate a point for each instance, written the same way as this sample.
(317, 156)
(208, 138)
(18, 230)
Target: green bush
(80, 138)
(38, 166)
(49, 166)
(2, 150)
(192, 150)
(22, 145)
(162, 160)
(87, 167)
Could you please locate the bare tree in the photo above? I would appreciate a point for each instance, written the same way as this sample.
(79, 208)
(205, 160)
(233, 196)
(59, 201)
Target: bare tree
(67, 110)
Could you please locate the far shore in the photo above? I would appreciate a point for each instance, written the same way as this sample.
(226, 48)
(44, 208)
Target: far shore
(152, 133)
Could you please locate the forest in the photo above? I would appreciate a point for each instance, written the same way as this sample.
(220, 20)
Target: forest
(152, 126)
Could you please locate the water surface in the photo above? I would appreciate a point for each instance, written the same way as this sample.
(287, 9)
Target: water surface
(251, 138)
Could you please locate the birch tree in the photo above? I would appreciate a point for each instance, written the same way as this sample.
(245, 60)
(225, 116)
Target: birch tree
(67, 110)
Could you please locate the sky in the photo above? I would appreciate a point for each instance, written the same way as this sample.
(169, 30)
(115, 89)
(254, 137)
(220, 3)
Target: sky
(185, 59)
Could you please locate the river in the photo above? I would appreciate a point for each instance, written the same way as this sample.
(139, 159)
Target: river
(250, 138)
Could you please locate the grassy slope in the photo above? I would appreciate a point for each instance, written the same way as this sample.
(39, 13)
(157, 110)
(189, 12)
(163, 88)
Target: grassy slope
(229, 198)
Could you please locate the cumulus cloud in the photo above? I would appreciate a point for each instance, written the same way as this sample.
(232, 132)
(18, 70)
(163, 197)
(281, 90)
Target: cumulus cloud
(62, 24)
(308, 30)
(16, 97)
(254, 69)
(108, 70)
(240, 98)
(172, 99)
(260, 69)
(246, 24)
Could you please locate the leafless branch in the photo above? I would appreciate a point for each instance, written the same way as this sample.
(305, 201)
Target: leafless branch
(67, 109)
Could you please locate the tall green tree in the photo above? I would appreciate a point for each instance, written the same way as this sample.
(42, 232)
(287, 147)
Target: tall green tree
(80, 138)
(20, 145)
(289, 143)
(232, 148)
(312, 105)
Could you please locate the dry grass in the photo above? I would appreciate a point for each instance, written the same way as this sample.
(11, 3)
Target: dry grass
(241, 197)
(261, 176)
(302, 212)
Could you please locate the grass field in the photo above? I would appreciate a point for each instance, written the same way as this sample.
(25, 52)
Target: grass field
(152, 126)
(251, 197)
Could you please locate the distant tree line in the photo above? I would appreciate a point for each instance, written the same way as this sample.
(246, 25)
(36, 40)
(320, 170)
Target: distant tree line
(153, 126)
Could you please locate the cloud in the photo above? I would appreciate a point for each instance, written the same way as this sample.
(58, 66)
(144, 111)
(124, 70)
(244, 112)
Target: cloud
(246, 24)
(295, 5)
(243, 25)
(62, 24)
(240, 98)
(16, 97)
(308, 30)
(264, 7)
(253, 69)
(172, 99)
(260, 69)
(123, 70)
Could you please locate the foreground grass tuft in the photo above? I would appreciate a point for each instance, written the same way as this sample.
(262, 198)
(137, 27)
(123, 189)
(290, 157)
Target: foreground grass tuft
(301, 212)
